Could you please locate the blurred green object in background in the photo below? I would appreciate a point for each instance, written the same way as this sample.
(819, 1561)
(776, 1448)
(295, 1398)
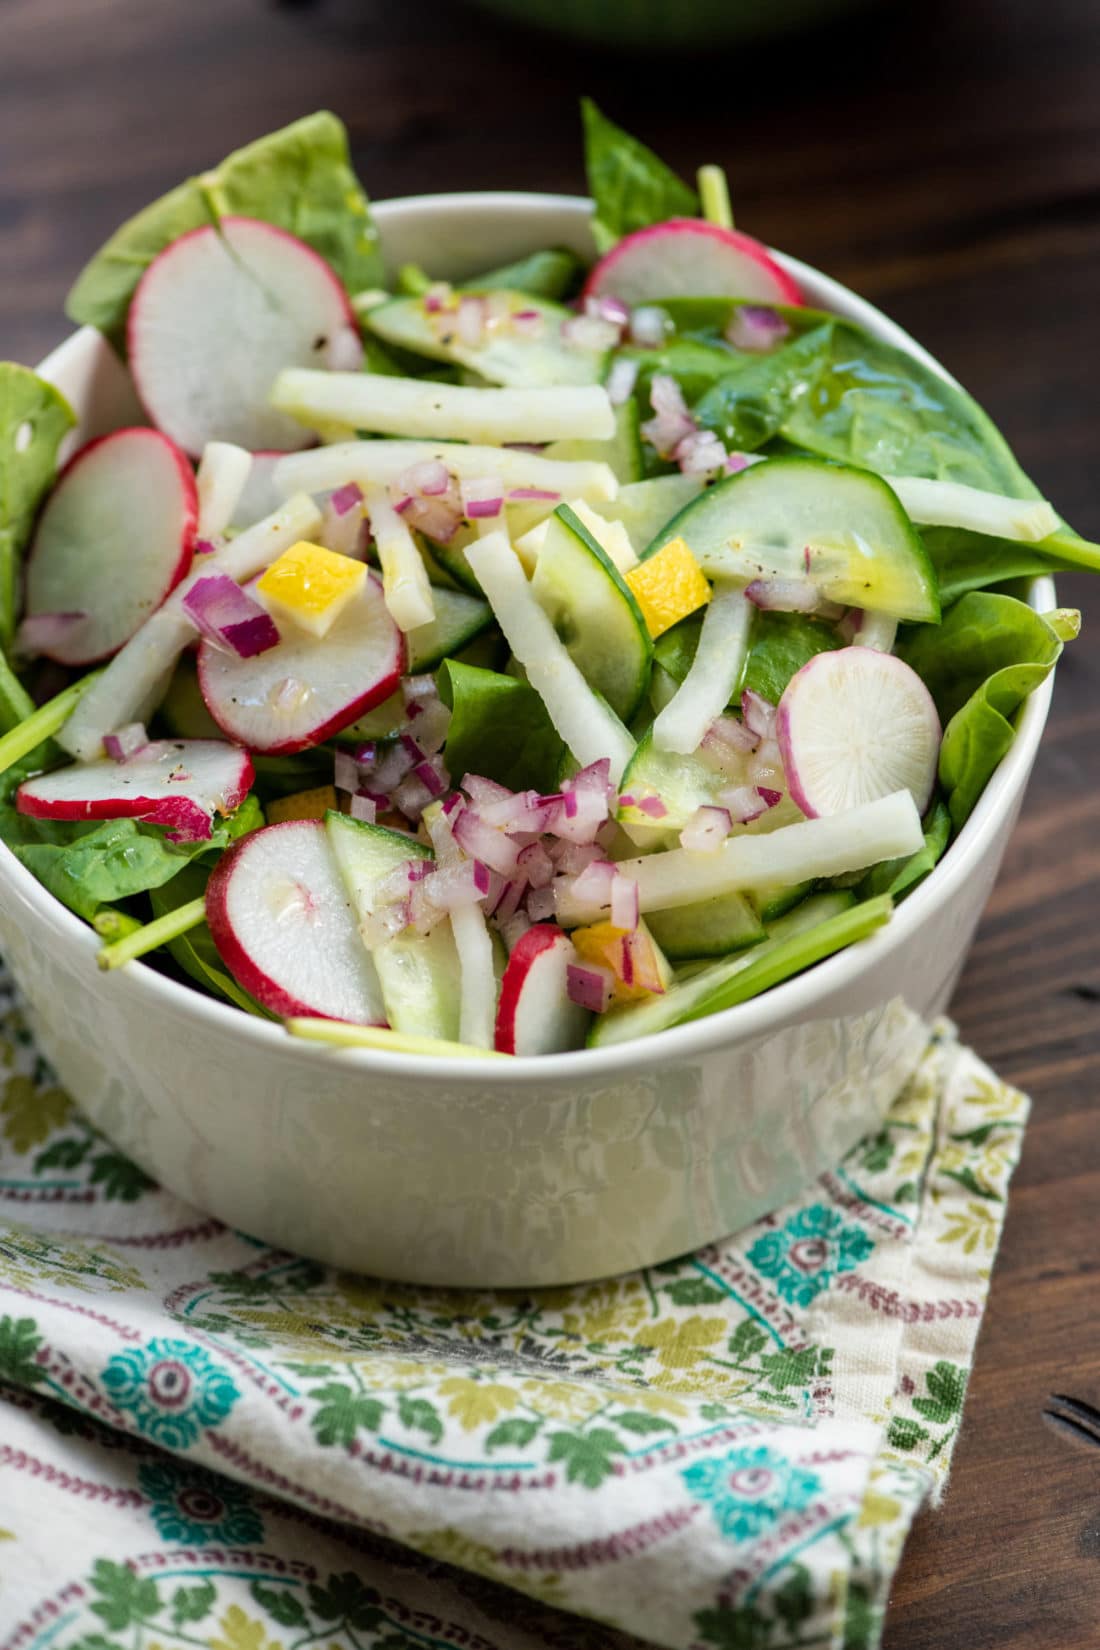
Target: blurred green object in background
(650, 25)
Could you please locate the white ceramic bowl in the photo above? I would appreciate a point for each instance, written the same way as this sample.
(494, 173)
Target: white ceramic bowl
(521, 1173)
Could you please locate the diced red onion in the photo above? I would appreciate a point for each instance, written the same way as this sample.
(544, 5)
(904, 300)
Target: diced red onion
(346, 772)
(485, 842)
(736, 462)
(706, 830)
(412, 796)
(766, 766)
(851, 625)
(589, 987)
(571, 858)
(756, 329)
(531, 495)
(433, 775)
(470, 320)
(364, 808)
(393, 763)
(40, 632)
(671, 421)
(541, 903)
(589, 332)
(482, 498)
(624, 902)
(204, 547)
(523, 811)
(743, 803)
(126, 741)
(514, 929)
(653, 806)
(510, 901)
(229, 617)
(757, 714)
(604, 307)
(437, 297)
(649, 326)
(699, 453)
(621, 381)
(536, 865)
(453, 886)
(346, 498)
(727, 733)
(528, 323)
(639, 962)
(344, 351)
(593, 883)
(345, 534)
(482, 791)
(784, 595)
(769, 797)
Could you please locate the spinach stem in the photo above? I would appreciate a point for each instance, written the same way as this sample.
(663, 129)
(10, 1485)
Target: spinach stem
(151, 934)
(342, 1035)
(715, 196)
(43, 723)
(111, 924)
(16, 703)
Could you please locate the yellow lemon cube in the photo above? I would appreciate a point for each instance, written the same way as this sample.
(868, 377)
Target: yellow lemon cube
(639, 968)
(313, 804)
(310, 586)
(668, 586)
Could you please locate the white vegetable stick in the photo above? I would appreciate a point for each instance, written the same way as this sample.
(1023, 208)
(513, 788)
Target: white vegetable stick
(404, 577)
(220, 481)
(611, 536)
(876, 630)
(132, 677)
(428, 411)
(715, 672)
(952, 504)
(321, 468)
(588, 726)
(885, 829)
(478, 987)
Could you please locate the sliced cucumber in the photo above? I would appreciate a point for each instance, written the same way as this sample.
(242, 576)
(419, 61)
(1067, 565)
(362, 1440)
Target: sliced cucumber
(379, 723)
(451, 557)
(644, 507)
(713, 928)
(504, 354)
(418, 973)
(773, 903)
(696, 995)
(623, 451)
(801, 517)
(458, 619)
(594, 612)
(683, 784)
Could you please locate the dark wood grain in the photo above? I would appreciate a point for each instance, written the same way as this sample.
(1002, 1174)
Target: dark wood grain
(945, 160)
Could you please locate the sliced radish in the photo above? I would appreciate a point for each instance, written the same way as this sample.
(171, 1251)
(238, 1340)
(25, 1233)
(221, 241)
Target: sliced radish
(114, 538)
(535, 1014)
(856, 725)
(305, 689)
(280, 917)
(180, 783)
(216, 316)
(687, 258)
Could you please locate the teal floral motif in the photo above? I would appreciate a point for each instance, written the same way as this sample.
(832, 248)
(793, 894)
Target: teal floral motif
(812, 1248)
(196, 1508)
(747, 1489)
(172, 1389)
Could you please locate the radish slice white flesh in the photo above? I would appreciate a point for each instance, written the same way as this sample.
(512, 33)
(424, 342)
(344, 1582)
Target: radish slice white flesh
(854, 726)
(304, 690)
(132, 685)
(364, 461)
(588, 726)
(812, 848)
(115, 536)
(458, 412)
(180, 783)
(535, 1015)
(715, 672)
(686, 258)
(280, 917)
(216, 316)
(221, 480)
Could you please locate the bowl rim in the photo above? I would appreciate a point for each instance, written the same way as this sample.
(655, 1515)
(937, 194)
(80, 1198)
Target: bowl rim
(792, 1001)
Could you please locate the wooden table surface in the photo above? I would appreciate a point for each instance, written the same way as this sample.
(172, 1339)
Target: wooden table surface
(942, 158)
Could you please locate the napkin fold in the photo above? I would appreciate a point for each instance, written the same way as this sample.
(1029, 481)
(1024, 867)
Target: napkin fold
(208, 1442)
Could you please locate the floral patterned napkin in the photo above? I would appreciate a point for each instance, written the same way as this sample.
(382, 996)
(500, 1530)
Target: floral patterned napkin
(206, 1442)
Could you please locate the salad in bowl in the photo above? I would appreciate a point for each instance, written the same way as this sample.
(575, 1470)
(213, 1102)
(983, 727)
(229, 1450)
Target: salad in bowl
(507, 666)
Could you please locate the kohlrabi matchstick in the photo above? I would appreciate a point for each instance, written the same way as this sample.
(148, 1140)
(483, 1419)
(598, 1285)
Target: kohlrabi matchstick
(221, 479)
(324, 468)
(588, 726)
(135, 679)
(422, 410)
(714, 675)
(404, 576)
(953, 504)
(337, 1034)
(856, 725)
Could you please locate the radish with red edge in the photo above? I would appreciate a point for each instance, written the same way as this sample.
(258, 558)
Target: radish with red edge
(179, 783)
(216, 317)
(856, 725)
(281, 919)
(688, 258)
(115, 537)
(535, 1014)
(305, 689)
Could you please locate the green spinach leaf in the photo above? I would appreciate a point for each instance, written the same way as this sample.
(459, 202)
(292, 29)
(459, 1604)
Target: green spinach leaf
(299, 178)
(630, 186)
(499, 729)
(195, 951)
(750, 403)
(34, 417)
(876, 406)
(980, 664)
(555, 273)
(898, 877)
(781, 644)
(966, 561)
